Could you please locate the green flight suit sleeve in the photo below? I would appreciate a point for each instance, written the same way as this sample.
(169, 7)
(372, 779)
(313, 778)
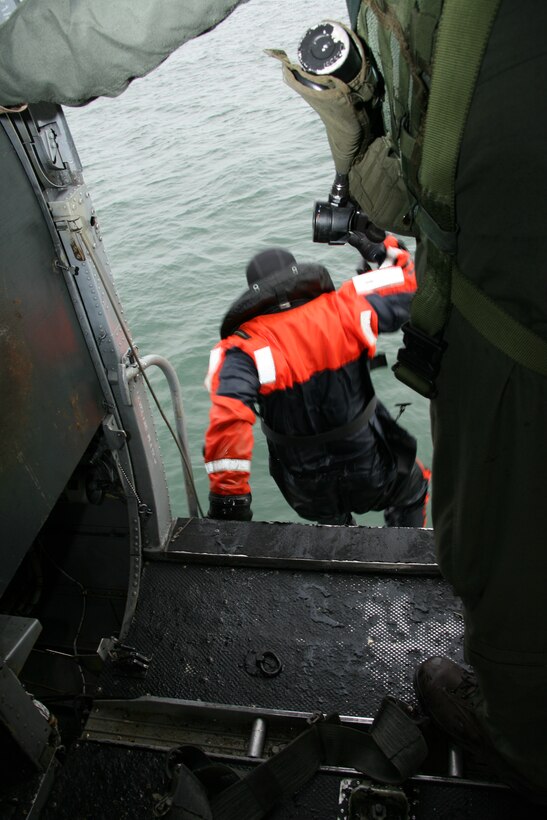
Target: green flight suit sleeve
(71, 51)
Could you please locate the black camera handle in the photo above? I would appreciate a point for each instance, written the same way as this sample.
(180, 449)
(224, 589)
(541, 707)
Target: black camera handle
(370, 251)
(368, 238)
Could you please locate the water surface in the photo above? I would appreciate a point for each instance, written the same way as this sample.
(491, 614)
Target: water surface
(195, 168)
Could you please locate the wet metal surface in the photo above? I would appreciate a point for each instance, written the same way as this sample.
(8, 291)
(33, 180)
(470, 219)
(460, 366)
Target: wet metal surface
(284, 540)
(344, 641)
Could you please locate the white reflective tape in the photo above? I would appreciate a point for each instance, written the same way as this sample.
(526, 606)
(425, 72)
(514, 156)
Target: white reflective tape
(392, 254)
(366, 327)
(372, 280)
(234, 465)
(265, 365)
(214, 360)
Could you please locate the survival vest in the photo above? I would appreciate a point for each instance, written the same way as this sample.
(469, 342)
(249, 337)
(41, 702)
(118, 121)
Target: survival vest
(421, 62)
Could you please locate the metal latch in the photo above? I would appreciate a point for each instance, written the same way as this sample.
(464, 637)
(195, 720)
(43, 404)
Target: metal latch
(125, 659)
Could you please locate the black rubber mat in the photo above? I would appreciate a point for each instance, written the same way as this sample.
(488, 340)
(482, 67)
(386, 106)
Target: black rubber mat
(343, 640)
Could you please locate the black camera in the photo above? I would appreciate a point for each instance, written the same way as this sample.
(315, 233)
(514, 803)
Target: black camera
(335, 224)
(332, 223)
(339, 218)
(334, 220)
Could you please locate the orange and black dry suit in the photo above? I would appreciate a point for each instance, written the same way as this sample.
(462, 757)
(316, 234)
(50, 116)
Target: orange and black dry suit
(297, 353)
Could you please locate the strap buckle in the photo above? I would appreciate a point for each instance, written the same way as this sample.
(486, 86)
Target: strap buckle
(419, 361)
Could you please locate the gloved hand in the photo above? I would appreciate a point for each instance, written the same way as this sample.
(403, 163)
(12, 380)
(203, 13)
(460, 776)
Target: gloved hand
(397, 254)
(230, 507)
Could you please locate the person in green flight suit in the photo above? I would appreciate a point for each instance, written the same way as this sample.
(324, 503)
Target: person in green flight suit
(441, 134)
(489, 397)
(489, 433)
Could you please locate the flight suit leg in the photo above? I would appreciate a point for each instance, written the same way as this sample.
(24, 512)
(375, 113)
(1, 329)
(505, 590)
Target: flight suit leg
(488, 419)
(490, 468)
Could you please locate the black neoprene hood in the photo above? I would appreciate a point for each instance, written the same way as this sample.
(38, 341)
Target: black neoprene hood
(269, 262)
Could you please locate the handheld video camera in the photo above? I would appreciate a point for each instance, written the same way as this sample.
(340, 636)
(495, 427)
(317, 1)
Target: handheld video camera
(333, 221)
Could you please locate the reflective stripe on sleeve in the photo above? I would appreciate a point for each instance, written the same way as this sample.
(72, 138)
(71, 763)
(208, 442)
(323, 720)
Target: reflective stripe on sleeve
(265, 365)
(235, 465)
(214, 360)
(366, 327)
(374, 279)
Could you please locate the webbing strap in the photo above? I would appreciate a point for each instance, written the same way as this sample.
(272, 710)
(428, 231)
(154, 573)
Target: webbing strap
(497, 326)
(391, 752)
(336, 434)
(464, 30)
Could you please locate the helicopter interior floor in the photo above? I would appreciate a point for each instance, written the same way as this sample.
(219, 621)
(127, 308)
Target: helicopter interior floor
(284, 617)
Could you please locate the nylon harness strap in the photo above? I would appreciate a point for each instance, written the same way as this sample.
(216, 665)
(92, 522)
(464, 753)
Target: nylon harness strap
(391, 752)
(464, 31)
(502, 330)
(337, 434)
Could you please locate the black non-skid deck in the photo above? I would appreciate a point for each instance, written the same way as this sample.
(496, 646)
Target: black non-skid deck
(343, 640)
(286, 542)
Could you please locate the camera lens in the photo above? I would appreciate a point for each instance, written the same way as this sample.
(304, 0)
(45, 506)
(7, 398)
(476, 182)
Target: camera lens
(322, 222)
(331, 223)
(327, 49)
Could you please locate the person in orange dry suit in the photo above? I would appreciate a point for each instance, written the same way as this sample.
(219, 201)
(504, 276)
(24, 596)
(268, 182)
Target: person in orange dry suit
(296, 352)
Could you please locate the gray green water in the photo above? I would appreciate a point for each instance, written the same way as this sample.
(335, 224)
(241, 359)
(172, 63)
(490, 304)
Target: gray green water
(193, 170)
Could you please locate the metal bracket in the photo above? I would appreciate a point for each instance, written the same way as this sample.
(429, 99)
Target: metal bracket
(365, 800)
(52, 149)
(115, 437)
(74, 212)
(72, 207)
(125, 659)
(121, 377)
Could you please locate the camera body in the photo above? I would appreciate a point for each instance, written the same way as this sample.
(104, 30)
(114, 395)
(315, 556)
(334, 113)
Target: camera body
(335, 220)
(332, 222)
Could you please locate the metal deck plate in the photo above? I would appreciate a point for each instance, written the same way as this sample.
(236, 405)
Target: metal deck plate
(344, 640)
(309, 542)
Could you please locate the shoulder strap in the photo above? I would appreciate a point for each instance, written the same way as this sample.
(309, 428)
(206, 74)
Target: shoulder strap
(502, 330)
(463, 34)
(464, 31)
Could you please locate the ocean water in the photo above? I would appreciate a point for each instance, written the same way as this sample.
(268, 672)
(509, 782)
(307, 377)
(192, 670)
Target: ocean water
(192, 170)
